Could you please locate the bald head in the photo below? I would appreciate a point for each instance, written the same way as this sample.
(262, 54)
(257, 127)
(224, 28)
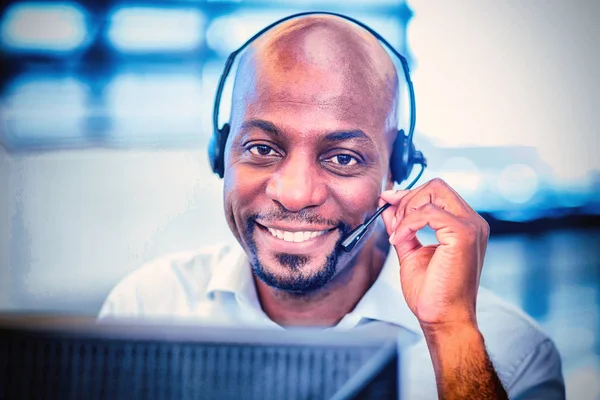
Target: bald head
(322, 60)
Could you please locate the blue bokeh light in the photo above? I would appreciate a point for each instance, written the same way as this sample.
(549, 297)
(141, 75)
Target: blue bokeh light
(44, 27)
(151, 29)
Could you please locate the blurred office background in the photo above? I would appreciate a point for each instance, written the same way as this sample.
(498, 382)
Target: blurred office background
(105, 117)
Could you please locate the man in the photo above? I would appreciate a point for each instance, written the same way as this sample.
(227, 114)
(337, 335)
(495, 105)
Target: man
(313, 120)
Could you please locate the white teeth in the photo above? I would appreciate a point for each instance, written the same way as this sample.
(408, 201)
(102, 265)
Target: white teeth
(296, 237)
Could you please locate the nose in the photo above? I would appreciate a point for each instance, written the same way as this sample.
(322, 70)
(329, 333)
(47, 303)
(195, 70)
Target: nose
(297, 184)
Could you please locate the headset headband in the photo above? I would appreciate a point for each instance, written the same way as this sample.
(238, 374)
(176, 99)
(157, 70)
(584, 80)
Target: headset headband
(403, 61)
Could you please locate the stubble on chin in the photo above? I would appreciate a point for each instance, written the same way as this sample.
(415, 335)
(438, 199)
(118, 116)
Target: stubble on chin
(293, 277)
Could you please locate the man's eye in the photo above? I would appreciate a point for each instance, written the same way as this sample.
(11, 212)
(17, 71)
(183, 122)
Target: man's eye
(262, 150)
(344, 159)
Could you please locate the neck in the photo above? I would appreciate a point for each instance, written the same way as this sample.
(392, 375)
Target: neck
(330, 304)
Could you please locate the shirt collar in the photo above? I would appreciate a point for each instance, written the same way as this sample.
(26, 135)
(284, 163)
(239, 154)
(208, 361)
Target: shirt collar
(384, 301)
(232, 274)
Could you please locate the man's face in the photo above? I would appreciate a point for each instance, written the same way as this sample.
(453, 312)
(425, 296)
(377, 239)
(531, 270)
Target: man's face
(305, 163)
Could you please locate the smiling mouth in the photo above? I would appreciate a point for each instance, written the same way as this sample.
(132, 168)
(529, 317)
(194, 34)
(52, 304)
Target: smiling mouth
(296, 237)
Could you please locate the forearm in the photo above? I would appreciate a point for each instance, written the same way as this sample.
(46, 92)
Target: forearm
(462, 366)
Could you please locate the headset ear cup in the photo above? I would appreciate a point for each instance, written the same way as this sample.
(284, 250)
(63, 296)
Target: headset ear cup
(221, 159)
(216, 150)
(400, 161)
(213, 149)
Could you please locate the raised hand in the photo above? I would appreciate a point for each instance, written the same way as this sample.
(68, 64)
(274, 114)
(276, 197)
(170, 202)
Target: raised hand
(440, 282)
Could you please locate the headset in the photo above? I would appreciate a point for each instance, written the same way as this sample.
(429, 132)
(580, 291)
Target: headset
(404, 154)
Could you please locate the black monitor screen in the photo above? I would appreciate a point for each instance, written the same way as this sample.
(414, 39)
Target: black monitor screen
(79, 359)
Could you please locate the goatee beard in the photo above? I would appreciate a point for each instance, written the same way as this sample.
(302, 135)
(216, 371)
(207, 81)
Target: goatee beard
(296, 281)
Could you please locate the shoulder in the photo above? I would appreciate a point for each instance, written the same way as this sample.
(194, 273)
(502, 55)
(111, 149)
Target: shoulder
(524, 356)
(498, 318)
(162, 285)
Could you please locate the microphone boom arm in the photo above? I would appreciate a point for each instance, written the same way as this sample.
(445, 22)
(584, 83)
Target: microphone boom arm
(354, 237)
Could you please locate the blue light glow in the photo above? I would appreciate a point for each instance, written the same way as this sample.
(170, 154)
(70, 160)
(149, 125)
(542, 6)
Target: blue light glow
(43, 27)
(227, 33)
(146, 30)
(44, 108)
(518, 183)
(156, 108)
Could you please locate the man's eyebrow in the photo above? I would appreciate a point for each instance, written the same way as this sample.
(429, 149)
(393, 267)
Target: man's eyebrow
(336, 136)
(339, 136)
(260, 124)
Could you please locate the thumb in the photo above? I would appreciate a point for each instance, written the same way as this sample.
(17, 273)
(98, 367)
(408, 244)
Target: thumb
(394, 196)
(389, 218)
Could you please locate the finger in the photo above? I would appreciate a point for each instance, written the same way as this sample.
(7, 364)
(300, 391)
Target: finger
(438, 193)
(448, 227)
(443, 201)
(394, 196)
(448, 190)
(405, 247)
(389, 219)
(391, 197)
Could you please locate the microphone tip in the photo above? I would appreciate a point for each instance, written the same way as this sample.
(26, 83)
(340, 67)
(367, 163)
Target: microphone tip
(353, 238)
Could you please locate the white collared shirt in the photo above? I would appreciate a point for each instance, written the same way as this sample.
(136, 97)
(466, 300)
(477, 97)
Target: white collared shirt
(215, 285)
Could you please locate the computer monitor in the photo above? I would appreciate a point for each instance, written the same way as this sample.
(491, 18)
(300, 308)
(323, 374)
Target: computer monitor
(68, 358)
